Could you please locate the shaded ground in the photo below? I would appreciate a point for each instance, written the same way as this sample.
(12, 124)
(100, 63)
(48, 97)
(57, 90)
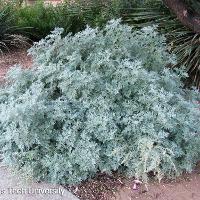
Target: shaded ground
(105, 187)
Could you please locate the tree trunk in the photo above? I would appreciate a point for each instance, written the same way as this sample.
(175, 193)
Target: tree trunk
(187, 16)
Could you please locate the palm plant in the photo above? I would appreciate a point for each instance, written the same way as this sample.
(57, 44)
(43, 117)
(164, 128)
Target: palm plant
(195, 4)
(182, 41)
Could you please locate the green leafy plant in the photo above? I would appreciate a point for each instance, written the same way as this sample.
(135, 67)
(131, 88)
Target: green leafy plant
(101, 100)
(73, 17)
(10, 34)
(183, 42)
(38, 16)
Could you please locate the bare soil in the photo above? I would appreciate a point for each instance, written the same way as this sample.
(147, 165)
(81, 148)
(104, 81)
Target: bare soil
(184, 188)
(105, 187)
(9, 59)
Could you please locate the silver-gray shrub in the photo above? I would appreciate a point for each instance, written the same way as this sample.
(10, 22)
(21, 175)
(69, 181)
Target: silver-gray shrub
(99, 101)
